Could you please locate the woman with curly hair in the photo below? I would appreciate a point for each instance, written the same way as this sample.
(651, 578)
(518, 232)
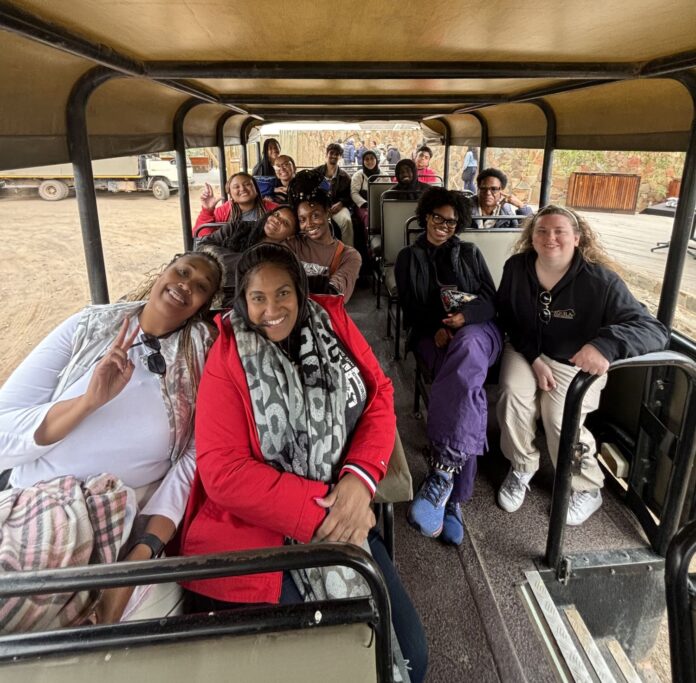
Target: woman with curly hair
(564, 309)
(446, 293)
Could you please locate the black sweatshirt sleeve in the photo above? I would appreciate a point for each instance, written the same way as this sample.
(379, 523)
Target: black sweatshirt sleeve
(628, 329)
(482, 308)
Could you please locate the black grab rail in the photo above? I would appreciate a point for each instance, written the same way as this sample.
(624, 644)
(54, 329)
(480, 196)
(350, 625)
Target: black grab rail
(679, 593)
(255, 619)
(570, 425)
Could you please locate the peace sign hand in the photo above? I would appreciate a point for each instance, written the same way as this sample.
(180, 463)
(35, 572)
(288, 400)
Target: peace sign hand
(208, 199)
(113, 371)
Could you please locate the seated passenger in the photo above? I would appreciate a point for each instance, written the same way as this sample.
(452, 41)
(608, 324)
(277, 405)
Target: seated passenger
(271, 150)
(446, 293)
(406, 179)
(564, 310)
(227, 244)
(245, 205)
(331, 266)
(490, 200)
(294, 430)
(340, 191)
(423, 156)
(112, 389)
(360, 182)
(285, 169)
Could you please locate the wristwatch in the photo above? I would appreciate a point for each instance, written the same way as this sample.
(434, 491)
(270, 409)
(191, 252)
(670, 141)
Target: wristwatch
(152, 542)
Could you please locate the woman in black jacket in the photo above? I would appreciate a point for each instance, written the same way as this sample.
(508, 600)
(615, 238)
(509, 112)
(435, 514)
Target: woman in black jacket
(565, 309)
(447, 295)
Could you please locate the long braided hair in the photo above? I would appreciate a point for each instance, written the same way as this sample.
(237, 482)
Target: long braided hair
(236, 211)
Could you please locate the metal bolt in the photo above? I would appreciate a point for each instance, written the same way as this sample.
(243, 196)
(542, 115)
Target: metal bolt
(317, 617)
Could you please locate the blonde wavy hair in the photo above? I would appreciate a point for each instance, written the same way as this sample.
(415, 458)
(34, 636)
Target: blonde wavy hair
(142, 293)
(589, 245)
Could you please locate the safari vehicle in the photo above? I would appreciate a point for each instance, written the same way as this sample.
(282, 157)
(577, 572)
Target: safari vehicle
(522, 599)
(143, 173)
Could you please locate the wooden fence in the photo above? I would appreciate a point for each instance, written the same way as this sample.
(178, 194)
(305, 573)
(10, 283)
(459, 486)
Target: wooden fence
(603, 191)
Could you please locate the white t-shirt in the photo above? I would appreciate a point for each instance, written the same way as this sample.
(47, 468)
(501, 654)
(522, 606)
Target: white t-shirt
(128, 437)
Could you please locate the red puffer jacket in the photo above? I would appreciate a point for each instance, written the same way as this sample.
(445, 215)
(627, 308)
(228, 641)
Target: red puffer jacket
(239, 502)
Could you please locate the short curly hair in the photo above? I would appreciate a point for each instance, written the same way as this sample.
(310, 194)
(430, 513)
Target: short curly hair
(492, 173)
(436, 197)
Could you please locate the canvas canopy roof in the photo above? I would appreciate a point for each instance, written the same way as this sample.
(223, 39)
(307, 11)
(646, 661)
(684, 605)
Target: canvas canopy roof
(606, 70)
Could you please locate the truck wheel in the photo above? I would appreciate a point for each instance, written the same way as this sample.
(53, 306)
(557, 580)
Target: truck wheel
(53, 190)
(160, 189)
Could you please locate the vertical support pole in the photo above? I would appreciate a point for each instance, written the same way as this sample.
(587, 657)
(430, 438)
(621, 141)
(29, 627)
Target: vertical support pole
(683, 225)
(78, 148)
(220, 139)
(244, 139)
(549, 147)
(483, 148)
(448, 137)
(180, 150)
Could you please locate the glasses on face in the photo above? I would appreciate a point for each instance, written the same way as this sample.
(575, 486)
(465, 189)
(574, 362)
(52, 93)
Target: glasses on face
(155, 361)
(281, 167)
(451, 223)
(492, 190)
(545, 312)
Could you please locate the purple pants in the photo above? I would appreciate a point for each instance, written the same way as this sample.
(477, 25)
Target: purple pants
(458, 408)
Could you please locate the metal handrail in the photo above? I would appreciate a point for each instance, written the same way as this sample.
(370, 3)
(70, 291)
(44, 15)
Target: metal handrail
(569, 431)
(264, 560)
(678, 595)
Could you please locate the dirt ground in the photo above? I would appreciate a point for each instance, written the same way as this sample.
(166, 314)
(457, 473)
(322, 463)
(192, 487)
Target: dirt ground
(44, 278)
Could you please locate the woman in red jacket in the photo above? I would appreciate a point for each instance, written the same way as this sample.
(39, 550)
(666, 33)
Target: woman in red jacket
(245, 205)
(294, 431)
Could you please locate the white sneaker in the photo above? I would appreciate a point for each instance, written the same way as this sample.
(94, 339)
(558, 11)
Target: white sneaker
(582, 505)
(512, 492)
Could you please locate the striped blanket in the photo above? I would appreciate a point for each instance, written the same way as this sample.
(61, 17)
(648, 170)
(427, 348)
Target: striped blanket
(60, 523)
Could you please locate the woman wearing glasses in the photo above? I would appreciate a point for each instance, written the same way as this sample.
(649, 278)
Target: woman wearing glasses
(447, 293)
(112, 389)
(564, 309)
(491, 200)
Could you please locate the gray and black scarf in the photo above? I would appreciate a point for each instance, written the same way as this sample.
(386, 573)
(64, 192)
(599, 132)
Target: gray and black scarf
(299, 410)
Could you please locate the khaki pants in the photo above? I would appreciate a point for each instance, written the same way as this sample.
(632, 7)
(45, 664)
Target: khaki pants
(521, 403)
(345, 221)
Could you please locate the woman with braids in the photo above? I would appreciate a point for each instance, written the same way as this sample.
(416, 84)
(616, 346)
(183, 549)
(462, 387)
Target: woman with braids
(446, 293)
(564, 309)
(294, 430)
(113, 389)
(242, 211)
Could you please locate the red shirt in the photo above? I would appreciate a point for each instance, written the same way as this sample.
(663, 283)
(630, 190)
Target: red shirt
(240, 502)
(427, 175)
(221, 214)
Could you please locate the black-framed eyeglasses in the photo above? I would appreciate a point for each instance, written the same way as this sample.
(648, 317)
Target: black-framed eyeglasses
(492, 190)
(155, 361)
(441, 220)
(545, 301)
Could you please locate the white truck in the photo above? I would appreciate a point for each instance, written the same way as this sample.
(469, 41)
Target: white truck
(144, 173)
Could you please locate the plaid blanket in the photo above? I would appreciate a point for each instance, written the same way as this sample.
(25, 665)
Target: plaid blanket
(60, 523)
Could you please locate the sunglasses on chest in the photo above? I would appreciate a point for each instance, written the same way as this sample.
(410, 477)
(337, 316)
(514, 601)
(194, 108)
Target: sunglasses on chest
(155, 361)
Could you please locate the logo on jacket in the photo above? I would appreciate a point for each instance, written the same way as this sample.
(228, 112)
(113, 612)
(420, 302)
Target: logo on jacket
(567, 314)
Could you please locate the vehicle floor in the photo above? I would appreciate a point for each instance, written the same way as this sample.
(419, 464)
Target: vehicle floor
(477, 626)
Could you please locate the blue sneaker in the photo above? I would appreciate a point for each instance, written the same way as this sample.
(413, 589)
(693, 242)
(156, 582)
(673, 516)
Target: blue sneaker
(453, 527)
(427, 511)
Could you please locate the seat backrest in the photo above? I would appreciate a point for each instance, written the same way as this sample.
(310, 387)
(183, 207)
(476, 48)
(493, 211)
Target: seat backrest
(375, 188)
(395, 213)
(346, 651)
(495, 245)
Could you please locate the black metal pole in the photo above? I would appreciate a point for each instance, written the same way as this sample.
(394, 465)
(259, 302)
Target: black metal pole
(448, 137)
(220, 138)
(683, 222)
(244, 139)
(549, 147)
(78, 148)
(180, 150)
(484, 139)
(257, 145)
(569, 431)
(678, 598)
